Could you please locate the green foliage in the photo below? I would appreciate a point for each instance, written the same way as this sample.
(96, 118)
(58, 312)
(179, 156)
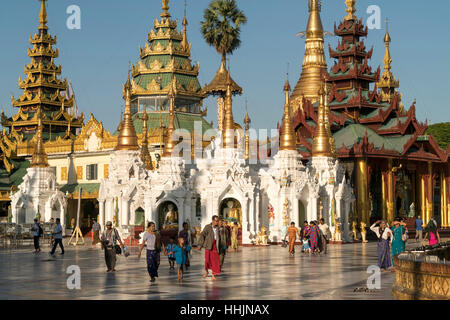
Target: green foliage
(441, 132)
(221, 26)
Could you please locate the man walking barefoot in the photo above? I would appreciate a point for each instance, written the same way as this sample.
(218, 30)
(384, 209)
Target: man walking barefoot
(210, 240)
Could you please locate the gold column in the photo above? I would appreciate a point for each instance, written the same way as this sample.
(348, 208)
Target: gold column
(430, 191)
(247, 122)
(390, 200)
(423, 200)
(383, 197)
(362, 189)
(444, 200)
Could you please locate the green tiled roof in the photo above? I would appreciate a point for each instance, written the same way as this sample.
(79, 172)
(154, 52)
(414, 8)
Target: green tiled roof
(14, 178)
(393, 122)
(354, 133)
(72, 188)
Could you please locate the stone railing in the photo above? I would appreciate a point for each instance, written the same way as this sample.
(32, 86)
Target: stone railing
(423, 274)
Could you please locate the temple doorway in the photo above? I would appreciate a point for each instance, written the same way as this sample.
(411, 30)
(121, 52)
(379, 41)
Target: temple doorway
(89, 211)
(139, 217)
(301, 213)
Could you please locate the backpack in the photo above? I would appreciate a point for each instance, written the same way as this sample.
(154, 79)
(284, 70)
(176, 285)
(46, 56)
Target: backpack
(41, 232)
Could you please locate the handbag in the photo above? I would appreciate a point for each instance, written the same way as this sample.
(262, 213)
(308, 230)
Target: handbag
(405, 237)
(118, 249)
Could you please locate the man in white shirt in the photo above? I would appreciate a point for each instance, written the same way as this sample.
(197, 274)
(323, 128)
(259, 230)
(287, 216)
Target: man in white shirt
(57, 235)
(324, 232)
(152, 240)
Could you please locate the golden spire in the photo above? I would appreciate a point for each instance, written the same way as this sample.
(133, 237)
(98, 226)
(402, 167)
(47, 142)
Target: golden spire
(229, 138)
(287, 133)
(165, 8)
(314, 62)
(247, 122)
(39, 159)
(387, 83)
(350, 9)
(43, 16)
(145, 154)
(127, 136)
(185, 24)
(321, 144)
(170, 143)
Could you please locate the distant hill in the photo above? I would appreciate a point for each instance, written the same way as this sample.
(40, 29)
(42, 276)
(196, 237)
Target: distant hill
(441, 131)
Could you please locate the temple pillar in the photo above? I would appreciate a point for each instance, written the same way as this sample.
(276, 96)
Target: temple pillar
(383, 195)
(423, 200)
(181, 214)
(245, 222)
(429, 196)
(444, 200)
(296, 213)
(390, 194)
(101, 212)
(125, 212)
(363, 205)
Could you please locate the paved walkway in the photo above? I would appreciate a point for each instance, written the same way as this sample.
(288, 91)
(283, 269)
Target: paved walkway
(252, 273)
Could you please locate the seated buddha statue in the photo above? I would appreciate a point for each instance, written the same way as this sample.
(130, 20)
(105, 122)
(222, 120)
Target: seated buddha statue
(231, 212)
(171, 219)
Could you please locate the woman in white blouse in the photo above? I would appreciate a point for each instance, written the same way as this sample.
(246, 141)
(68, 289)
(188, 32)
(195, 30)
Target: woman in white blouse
(385, 238)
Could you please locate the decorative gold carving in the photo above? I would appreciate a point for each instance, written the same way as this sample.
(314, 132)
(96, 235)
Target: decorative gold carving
(350, 9)
(127, 137)
(228, 134)
(39, 159)
(64, 174)
(79, 173)
(322, 137)
(106, 171)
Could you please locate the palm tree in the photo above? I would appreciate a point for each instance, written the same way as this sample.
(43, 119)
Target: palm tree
(221, 26)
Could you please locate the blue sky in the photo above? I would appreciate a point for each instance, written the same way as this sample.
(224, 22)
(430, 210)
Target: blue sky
(96, 58)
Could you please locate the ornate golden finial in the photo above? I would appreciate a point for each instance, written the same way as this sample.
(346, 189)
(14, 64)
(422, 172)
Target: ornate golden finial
(39, 159)
(165, 8)
(350, 9)
(321, 143)
(247, 122)
(387, 82)
(314, 61)
(127, 137)
(145, 154)
(287, 133)
(170, 143)
(43, 16)
(185, 24)
(229, 138)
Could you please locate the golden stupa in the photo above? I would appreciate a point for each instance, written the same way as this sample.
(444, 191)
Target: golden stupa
(228, 132)
(127, 137)
(39, 158)
(287, 133)
(314, 62)
(322, 138)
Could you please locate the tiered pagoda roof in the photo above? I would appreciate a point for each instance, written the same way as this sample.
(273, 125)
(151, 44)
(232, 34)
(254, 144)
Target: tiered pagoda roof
(164, 59)
(44, 92)
(364, 120)
(165, 65)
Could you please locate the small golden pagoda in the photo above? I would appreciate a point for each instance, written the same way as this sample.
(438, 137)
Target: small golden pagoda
(287, 133)
(228, 133)
(145, 154)
(322, 138)
(39, 158)
(127, 136)
(170, 143)
(247, 122)
(388, 84)
(314, 62)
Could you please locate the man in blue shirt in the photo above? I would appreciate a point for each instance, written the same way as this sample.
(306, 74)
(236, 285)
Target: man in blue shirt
(419, 229)
(57, 235)
(35, 230)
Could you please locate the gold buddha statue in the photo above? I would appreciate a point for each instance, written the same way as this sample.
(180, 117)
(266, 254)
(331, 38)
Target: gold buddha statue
(171, 218)
(231, 212)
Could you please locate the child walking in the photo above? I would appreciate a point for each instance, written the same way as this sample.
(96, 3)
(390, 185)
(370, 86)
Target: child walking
(181, 251)
(170, 248)
(306, 247)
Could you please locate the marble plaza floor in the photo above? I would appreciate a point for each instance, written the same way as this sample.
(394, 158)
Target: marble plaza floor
(252, 273)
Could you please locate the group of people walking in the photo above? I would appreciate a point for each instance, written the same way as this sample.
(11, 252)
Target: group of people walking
(56, 236)
(392, 241)
(314, 237)
(216, 238)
